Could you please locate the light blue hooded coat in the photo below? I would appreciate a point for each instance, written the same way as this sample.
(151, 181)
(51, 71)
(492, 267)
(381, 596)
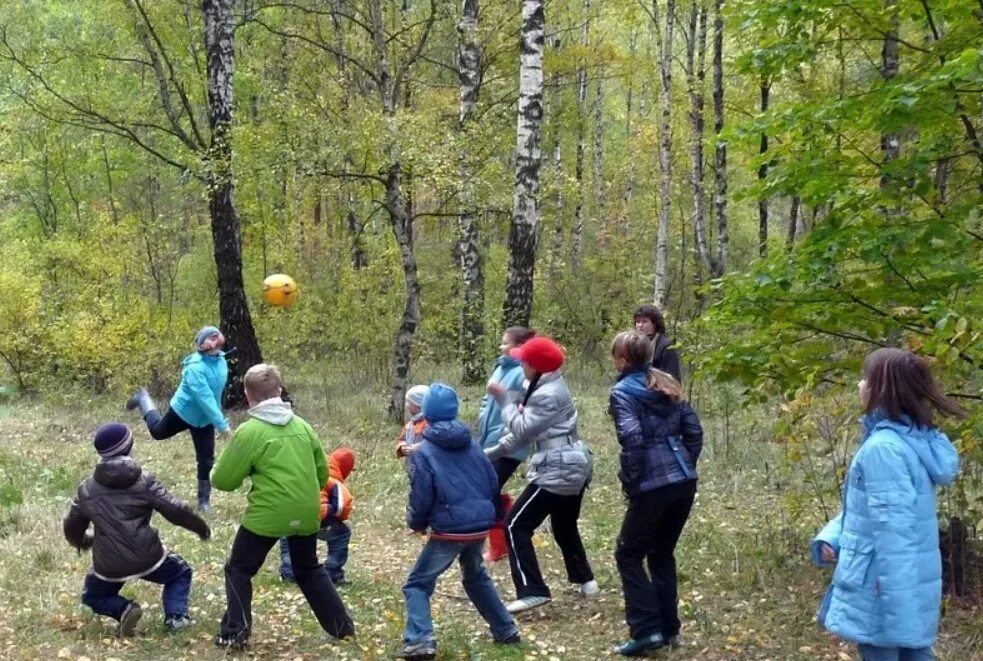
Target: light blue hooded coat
(198, 399)
(508, 372)
(887, 586)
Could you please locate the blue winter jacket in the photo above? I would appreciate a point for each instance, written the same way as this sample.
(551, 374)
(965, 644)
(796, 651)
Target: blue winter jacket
(453, 487)
(661, 440)
(887, 586)
(198, 399)
(508, 372)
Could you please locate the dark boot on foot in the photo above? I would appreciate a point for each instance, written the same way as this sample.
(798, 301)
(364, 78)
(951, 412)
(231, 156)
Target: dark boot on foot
(128, 620)
(141, 400)
(641, 646)
(204, 496)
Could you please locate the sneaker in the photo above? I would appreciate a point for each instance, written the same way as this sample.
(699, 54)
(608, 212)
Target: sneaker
(514, 639)
(338, 580)
(134, 401)
(128, 620)
(417, 652)
(236, 641)
(176, 622)
(589, 589)
(642, 646)
(527, 603)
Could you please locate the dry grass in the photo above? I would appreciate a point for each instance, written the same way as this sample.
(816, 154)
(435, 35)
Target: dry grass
(747, 590)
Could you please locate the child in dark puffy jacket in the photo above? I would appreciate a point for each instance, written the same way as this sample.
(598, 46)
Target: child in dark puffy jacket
(118, 501)
(454, 495)
(661, 439)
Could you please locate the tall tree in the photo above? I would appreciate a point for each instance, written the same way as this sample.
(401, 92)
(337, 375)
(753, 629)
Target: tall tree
(720, 144)
(581, 149)
(696, 51)
(517, 308)
(469, 250)
(665, 45)
(765, 93)
(890, 65)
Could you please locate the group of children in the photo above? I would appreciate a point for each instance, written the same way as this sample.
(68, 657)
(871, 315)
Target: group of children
(457, 499)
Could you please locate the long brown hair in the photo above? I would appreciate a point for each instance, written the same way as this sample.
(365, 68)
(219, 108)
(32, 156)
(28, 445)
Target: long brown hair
(636, 349)
(899, 384)
(519, 335)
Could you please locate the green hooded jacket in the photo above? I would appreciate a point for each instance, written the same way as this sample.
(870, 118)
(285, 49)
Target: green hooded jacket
(283, 458)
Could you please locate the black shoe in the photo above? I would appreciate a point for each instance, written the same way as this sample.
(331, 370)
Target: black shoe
(128, 620)
(514, 639)
(176, 622)
(642, 646)
(674, 641)
(341, 580)
(236, 641)
(417, 652)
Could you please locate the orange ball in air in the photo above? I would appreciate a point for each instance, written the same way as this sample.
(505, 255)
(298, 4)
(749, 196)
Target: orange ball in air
(280, 290)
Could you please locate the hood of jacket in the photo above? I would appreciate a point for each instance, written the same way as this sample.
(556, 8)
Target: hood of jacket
(507, 362)
(932, 447)
(117, 472)
(635, 384)
(451, 435)
(274, 411)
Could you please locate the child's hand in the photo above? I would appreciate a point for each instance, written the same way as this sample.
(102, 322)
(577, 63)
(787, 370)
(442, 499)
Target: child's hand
(496, 389)
(225, 435)
(827, 553)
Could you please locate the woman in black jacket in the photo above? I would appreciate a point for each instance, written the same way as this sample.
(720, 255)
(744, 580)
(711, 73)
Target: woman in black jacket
(650, 322)
(661, 439)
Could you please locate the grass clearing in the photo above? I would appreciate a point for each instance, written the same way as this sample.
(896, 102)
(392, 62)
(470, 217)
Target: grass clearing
(747, 590)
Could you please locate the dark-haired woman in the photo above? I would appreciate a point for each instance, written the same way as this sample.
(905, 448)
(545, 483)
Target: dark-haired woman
(650, 322)
(661, 439)
(508, 373)
(887, 586)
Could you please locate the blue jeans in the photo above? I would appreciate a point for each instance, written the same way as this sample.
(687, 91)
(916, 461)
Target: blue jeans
(337, 535)
(871, 653)
(174, 574)
(436, 558)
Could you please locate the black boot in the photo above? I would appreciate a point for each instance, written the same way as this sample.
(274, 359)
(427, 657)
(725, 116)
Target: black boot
(141, 399)
(204, 496)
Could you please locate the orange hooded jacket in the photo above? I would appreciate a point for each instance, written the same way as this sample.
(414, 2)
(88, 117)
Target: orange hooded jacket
(336, 499)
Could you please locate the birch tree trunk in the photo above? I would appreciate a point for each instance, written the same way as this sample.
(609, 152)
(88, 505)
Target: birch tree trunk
(794, 220)
(578, 212)
(469, 250)
(664, 44)
(236, 322)
(890, 65)
(696, 75)
(763, 174)
(720, 150)
(525, 218)
(600, 198)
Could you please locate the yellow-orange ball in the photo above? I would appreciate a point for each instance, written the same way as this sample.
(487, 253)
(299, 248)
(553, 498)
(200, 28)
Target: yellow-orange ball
(280, 290)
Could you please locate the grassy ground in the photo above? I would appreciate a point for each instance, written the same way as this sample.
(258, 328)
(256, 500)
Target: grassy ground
(747, 590)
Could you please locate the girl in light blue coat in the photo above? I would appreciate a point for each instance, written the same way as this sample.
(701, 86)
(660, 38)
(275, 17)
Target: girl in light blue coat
(196, 405)
(886, 592)
(508, 372)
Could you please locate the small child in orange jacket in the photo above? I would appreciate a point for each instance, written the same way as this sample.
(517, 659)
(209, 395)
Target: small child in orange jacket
(336, 507)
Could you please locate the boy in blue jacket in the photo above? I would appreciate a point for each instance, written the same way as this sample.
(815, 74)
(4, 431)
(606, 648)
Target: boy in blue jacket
(454, 494)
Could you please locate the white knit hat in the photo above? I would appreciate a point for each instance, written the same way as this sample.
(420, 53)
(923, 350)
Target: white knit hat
(416, 394)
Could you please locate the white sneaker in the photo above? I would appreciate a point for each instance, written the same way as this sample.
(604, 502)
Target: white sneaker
(527, 603)
(590, 589)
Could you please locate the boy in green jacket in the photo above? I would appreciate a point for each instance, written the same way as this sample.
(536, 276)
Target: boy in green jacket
(283, 458)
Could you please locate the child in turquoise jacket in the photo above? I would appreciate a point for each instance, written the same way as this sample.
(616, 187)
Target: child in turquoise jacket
(887, 586)
(196, 405)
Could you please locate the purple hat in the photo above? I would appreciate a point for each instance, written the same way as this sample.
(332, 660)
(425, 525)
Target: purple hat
(113, 439)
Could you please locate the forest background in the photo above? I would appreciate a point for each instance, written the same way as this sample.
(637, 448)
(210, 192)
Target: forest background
(796, 183)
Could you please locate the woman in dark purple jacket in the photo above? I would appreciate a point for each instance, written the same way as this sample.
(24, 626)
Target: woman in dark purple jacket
(661, 439)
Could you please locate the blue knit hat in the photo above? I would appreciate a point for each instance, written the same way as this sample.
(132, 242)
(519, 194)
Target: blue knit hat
(204, 334)
(113, 439)
(440, 404)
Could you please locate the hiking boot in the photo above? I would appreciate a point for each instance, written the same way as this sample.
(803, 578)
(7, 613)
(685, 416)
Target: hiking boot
(127, 626)
(514, 639)
(527, 603)
(176, 622)
(204, 496)
(141, 400)
(642, 646)
(417, 652)
(589, 589)
(236, 641)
